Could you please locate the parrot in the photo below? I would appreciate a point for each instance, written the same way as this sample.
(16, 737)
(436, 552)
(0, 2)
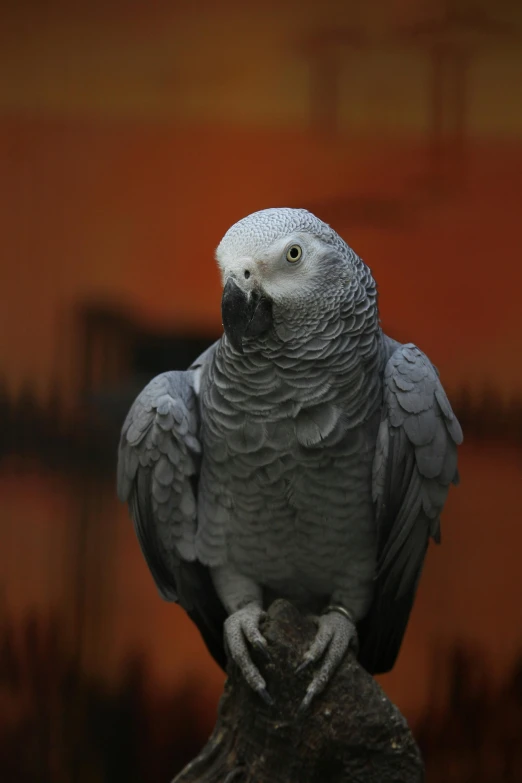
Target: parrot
(305, 455)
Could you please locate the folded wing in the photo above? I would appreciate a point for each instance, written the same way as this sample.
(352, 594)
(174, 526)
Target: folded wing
(415, 463)
(158, 472)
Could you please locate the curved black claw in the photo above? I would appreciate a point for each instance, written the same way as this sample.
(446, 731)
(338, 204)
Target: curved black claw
(266, 697)
(336, 633)
(240, 627)
(263, 650)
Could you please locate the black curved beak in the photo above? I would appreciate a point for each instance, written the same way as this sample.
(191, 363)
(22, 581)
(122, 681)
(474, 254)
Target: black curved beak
(244, 314)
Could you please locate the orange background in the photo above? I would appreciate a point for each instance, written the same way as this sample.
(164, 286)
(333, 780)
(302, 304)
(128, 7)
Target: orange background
(132, 136)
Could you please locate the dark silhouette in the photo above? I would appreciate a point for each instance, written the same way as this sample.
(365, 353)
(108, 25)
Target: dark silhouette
(59, 723)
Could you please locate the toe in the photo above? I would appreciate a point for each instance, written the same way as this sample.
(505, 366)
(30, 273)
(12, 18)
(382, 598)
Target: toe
(338, 634)
(239, 628)
(240, 654)
(317, 648)
(254, 636)
(319, 682)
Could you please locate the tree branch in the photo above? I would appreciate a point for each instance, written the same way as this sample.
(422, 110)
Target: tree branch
(352, 732)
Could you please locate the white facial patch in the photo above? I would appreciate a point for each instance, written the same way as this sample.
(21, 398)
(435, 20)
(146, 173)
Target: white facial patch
(268, 268)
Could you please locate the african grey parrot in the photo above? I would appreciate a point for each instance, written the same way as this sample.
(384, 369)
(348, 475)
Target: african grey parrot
(304, 455)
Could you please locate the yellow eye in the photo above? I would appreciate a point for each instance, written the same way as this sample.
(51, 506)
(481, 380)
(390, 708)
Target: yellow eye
(294, 253)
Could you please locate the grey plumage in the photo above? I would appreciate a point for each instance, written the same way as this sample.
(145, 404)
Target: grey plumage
(157, 475)
(305, 454)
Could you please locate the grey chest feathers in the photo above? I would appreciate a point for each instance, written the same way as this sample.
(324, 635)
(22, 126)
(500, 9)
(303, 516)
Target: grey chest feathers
(287, 497)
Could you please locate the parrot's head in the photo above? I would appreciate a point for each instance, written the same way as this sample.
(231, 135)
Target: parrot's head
(286, 270)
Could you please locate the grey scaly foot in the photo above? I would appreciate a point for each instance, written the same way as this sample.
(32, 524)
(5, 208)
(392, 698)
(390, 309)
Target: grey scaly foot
(335, 634)
(242, 627)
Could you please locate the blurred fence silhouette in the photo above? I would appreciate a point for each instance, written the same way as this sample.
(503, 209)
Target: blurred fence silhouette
(477, 737)
(118, 357)
(58, 723)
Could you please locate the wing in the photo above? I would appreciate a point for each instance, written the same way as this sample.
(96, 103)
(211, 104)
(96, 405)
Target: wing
(415, 463)
(158, 467)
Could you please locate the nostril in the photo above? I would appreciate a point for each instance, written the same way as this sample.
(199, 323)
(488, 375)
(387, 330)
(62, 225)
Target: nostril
(247, 274)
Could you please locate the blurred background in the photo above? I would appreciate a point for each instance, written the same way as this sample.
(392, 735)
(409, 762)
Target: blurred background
(132, 135)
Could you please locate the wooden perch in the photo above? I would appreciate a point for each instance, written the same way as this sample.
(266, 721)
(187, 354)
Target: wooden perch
(352, 732)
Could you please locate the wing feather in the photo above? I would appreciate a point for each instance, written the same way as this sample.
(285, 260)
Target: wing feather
(415, 463)
(155, 464)
(158, 472)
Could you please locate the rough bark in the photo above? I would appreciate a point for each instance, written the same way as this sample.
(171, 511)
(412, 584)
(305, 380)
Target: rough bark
(352, 732)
